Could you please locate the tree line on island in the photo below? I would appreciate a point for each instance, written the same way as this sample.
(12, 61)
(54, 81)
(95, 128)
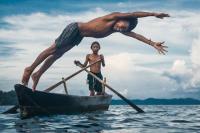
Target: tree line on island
(8, 98)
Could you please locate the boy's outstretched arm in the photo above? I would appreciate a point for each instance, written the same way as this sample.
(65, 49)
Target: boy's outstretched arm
(118, 15)
(85, 63)
(157, 45)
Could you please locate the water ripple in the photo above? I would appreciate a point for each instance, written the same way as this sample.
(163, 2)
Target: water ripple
(122, 119)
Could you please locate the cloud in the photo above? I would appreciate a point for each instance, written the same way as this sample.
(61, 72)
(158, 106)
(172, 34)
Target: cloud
(180, 73)
(187, 75)
(187, 79)
(6, 49)
(195, 51)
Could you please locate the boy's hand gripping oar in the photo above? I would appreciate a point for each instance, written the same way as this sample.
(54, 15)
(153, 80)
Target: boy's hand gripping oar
(139, 110)
(14, 109)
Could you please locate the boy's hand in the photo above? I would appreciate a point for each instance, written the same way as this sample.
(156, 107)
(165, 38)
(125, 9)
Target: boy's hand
(161, 15)
(77, 62)
(161, 48)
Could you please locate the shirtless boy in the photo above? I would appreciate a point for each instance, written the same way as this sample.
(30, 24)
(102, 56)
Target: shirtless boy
(94, 85)
(98, 28)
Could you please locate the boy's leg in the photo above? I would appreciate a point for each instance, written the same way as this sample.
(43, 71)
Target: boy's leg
(42, 56)
(98, 85)
(91, 84)
(99, 93)
(48, 62)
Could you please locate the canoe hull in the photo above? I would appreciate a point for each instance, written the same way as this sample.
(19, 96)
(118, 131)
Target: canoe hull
(43, 103)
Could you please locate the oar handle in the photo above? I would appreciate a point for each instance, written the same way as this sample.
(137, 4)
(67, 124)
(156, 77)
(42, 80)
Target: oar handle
(69, 77)
(113, 90)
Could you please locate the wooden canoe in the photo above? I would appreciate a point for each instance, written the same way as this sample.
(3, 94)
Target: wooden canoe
(43, 103)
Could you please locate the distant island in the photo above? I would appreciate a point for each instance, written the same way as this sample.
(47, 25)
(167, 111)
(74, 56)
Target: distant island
(9, 98)
(155, 101)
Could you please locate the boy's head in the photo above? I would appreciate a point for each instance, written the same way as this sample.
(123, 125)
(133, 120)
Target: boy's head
(95, 46)
(125, 25)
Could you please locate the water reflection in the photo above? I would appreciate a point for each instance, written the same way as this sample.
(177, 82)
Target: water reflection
(118, 119)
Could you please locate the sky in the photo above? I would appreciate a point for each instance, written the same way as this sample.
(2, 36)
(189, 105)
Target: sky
(133, 68)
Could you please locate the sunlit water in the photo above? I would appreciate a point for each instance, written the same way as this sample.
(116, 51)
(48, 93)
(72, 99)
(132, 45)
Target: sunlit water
(118, 119)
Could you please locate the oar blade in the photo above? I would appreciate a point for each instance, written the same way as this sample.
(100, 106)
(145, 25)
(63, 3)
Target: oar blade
(139, 110)
(12, 110)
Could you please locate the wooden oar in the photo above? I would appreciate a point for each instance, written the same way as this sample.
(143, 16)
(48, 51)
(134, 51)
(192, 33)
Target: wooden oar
(69, 77)
(139, 110)
(14, 109)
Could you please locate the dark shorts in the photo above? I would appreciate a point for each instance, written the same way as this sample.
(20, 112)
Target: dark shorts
(70, 36)
(93, 83)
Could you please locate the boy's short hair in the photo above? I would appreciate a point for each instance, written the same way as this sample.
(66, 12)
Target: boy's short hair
(95, 42)
(132, 23)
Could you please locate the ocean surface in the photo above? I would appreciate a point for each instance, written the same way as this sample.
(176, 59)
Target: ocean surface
(118, 119)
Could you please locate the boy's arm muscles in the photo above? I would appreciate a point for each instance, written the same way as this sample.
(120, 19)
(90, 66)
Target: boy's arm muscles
(139, 37)
(137, 14)
(102, 60)
(118, 15)
(86, 61)
(147, 14)
(157, 45)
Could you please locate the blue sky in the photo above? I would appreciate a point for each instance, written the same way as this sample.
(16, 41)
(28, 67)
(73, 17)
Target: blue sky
(132, 67)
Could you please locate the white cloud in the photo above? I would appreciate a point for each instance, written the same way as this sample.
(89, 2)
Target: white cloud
(180, 73)
(179, 67)
(195, 58)
(187, 75)
(186, 78)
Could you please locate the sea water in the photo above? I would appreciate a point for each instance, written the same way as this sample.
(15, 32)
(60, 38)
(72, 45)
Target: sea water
(118, 119)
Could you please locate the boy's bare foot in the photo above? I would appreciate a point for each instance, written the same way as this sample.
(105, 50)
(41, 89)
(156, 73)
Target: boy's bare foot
(35, 77)
(99, 93)
(26, 76)
(92, 93)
